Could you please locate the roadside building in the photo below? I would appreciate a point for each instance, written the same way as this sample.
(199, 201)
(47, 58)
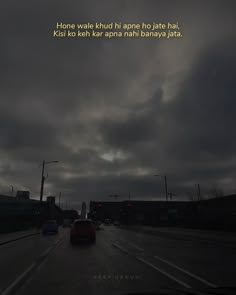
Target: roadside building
(18, 213)
(218, 213)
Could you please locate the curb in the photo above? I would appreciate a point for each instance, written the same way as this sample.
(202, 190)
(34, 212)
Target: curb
(19, 238)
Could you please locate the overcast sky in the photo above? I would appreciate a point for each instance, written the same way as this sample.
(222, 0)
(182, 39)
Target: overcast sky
(115, 112)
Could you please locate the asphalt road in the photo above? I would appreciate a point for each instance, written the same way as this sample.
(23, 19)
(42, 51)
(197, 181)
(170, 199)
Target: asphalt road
(121, 261)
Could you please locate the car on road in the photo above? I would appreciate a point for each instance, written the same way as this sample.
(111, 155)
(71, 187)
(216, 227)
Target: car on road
(116, 222)
(107, 221)
(83, 229)
(50, 227)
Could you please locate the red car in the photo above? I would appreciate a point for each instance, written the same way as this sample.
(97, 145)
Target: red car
(83, 229)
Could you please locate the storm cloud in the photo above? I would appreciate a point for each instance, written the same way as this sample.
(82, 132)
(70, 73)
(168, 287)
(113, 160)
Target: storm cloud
(115, 112)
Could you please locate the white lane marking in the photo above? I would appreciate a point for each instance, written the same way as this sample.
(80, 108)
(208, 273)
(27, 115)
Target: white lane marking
(45, 253)
(164, 273)
(43, 258)
(153, 266)
(10, 288)
(136, 247)
(174, 266)
(129, 243)
(39, 261)
(187, 272)
(120, 248)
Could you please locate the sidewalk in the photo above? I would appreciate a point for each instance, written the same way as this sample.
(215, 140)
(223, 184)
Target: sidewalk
(228, 238)
(10, 237)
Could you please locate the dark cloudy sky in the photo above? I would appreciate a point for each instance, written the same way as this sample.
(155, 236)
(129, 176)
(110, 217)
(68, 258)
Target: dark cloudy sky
(115, 112)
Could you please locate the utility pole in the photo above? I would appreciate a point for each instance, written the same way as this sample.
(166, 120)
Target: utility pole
(43, 178)
(42, 182)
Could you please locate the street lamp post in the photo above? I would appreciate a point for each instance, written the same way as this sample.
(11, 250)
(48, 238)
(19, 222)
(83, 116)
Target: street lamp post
(42, 182)
(166, 190)
(43, 178)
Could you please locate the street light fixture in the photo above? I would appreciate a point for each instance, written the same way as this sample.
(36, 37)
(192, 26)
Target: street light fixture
(43, 177)
(165, 178)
